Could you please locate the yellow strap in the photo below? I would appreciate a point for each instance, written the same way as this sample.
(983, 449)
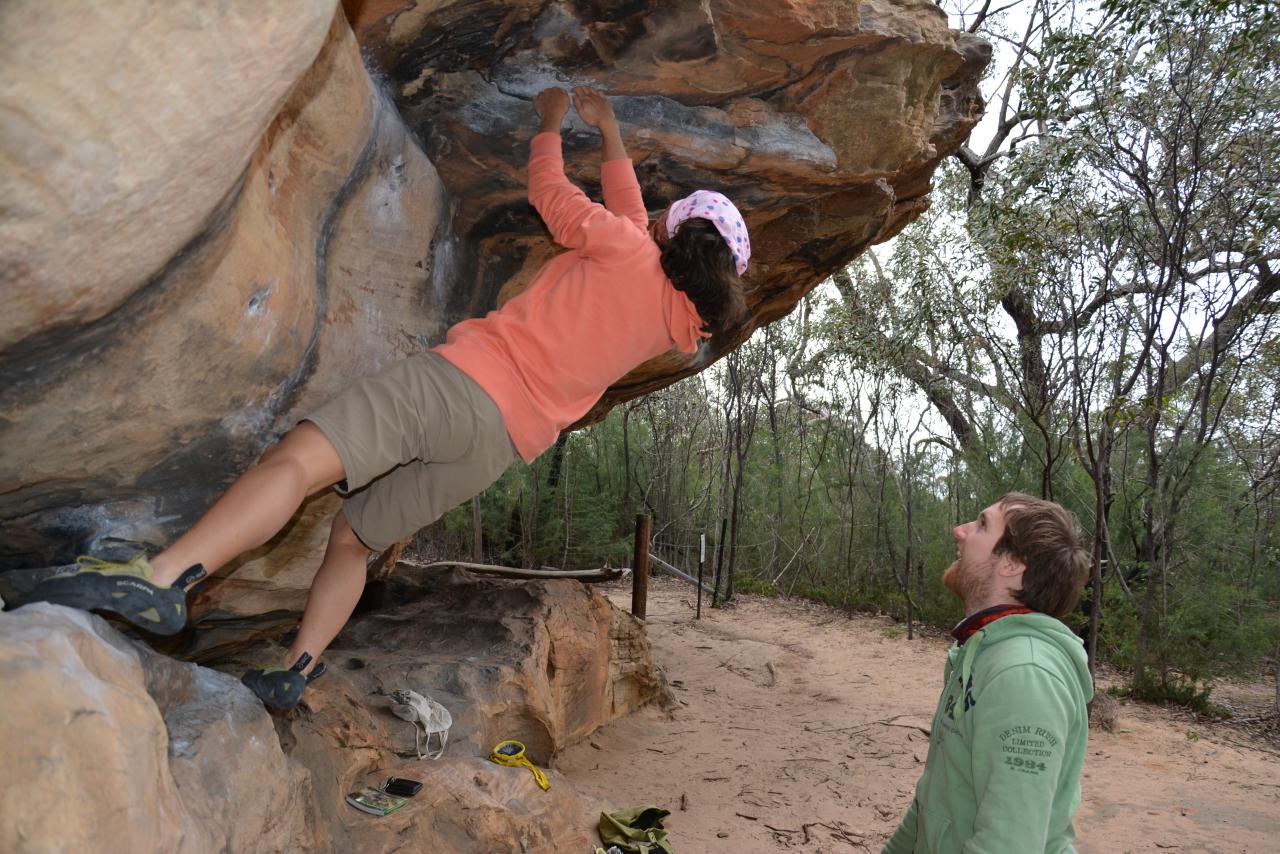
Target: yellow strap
(518, 761)
(136, 565)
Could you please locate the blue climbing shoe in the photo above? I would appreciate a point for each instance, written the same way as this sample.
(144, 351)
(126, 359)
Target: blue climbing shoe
(279, 688)
(124, 589)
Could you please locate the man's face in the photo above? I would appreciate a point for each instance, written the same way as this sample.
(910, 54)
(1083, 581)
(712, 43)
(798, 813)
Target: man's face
(974, 571)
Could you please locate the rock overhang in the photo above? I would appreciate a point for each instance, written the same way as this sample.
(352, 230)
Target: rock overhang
(349, 213)
(823, 120)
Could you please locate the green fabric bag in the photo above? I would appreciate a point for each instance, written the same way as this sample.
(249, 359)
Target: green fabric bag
(637, 830)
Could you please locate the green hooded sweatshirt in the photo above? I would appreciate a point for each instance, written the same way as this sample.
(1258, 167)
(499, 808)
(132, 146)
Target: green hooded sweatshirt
(1005, 752)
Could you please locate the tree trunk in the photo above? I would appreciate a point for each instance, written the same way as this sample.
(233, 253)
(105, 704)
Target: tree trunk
(1095, 600)
(1101, 476)
(530, 529)
(715, 585)
(557, 461)
(1147, 560)
(626, 462)
(906, 556)
(733, 538)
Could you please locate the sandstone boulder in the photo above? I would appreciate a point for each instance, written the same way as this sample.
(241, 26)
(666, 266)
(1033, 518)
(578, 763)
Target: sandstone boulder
(312, 265)
(125, 128)
(109, 747)
(158, 755)
(216, 214)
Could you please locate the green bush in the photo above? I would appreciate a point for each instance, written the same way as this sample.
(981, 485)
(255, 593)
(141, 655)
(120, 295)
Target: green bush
(755, 586)
(1179, 690)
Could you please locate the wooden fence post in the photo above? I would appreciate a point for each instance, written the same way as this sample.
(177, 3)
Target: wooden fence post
(640, 568)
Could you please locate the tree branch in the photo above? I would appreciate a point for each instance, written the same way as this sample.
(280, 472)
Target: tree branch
(1224, 332)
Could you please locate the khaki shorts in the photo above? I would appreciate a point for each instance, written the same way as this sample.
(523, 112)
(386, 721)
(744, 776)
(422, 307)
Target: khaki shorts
(416, 440)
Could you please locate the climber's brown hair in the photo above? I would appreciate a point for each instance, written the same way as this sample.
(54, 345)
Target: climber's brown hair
(698, 262)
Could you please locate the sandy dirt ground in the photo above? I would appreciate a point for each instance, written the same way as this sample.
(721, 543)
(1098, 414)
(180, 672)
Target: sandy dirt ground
(800, 728)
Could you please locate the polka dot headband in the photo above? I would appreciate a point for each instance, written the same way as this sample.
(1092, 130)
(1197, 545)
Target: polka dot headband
(712, 206)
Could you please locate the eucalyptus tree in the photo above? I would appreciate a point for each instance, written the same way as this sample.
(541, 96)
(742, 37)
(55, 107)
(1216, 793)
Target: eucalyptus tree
(1100, 274)
(1171, 225)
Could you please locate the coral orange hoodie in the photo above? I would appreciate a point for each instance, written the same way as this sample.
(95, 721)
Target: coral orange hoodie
(588, 317)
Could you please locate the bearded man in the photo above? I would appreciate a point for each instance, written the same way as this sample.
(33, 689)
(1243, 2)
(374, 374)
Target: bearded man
(1009, 734)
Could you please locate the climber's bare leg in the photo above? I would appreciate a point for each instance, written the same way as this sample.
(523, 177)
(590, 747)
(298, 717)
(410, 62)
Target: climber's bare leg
(257, 506)
(334, 592)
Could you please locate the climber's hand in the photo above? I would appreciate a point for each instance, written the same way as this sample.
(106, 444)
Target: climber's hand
(594, 107)
(551, 104)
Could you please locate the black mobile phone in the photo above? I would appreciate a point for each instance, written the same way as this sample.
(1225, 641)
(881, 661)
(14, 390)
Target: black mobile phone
(401, 786)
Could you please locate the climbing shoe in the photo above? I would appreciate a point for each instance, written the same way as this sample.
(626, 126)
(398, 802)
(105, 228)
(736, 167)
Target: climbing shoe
(279, 688)
(122, 588)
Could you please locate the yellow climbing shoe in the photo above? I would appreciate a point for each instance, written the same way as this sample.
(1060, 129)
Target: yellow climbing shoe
(122, 588)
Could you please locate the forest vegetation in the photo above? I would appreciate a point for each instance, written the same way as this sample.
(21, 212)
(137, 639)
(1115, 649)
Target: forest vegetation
(1089, 312)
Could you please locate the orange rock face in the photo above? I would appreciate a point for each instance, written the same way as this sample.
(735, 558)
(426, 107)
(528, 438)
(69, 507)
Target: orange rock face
(214, 215)
(157, 755)
(217, 214)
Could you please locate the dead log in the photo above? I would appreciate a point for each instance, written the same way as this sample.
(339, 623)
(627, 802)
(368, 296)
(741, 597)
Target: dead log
(583, 575)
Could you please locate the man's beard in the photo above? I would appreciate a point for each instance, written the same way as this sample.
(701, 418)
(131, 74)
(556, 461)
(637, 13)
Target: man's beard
(970, 583)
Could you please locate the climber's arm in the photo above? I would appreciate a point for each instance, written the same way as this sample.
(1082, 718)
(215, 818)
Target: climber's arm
(574, 220)
(617, 175)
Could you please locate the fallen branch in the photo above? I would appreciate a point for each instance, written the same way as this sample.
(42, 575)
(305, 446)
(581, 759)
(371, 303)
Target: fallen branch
(841, 833)
(514, 572)
(890, 722)
(858, 728)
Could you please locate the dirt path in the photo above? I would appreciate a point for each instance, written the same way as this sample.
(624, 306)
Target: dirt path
(799, 728)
